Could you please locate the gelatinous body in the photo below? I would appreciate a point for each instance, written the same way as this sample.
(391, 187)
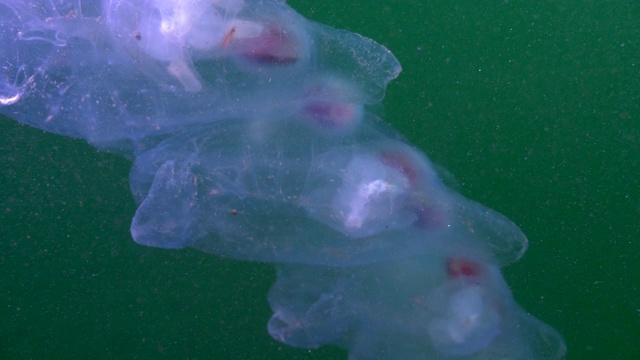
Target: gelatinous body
(147, 69)
(252, 137)
(416, 308)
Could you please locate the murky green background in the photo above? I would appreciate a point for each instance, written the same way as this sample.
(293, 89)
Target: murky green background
(533, 106)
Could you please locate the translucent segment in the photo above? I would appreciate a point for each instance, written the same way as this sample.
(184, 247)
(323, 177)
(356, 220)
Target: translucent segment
(408, 309)
(123, 74)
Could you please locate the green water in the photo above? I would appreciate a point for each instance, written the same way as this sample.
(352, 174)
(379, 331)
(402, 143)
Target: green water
(535, 109)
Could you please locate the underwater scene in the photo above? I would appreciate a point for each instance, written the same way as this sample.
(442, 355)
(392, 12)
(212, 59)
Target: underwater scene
(301, 180)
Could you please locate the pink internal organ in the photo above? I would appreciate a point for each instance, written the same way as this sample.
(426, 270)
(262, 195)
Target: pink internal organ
(273, 46)
(331, 115)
